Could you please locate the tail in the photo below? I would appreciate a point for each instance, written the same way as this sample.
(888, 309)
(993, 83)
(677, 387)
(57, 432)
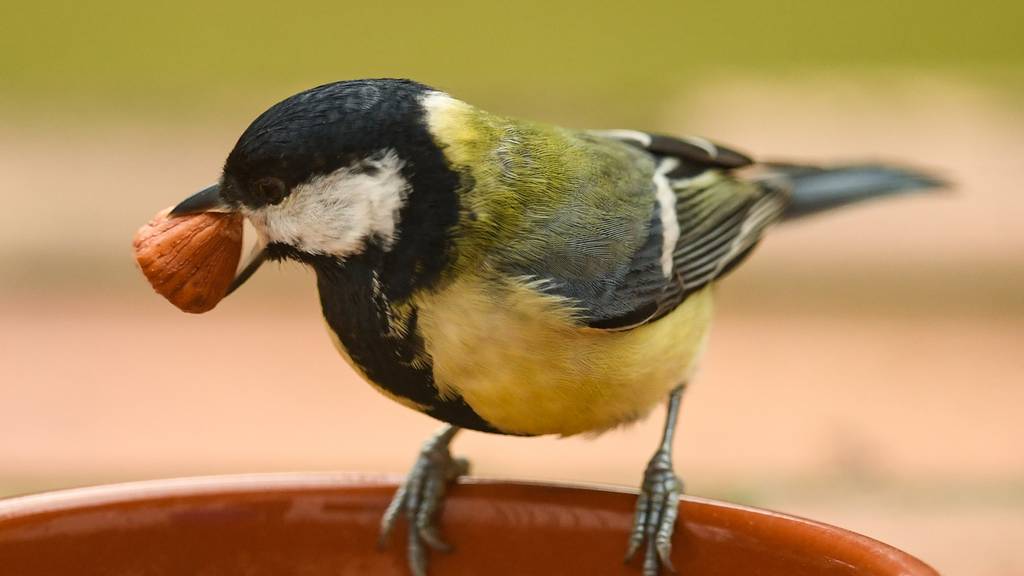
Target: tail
(816, 189)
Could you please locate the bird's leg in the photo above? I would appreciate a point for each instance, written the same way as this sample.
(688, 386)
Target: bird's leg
(421, 495)
(658, 502)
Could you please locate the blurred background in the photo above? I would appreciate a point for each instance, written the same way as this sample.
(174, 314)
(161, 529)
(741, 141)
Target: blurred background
(866, 366)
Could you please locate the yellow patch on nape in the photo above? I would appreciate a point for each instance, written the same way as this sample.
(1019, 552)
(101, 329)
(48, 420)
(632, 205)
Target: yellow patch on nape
(454, 125)
(336, 340)
(520, 360)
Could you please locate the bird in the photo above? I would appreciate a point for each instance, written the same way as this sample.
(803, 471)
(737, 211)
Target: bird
(513, 277)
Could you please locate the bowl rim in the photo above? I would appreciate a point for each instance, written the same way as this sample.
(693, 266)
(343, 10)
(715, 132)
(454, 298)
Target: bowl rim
(62, 500)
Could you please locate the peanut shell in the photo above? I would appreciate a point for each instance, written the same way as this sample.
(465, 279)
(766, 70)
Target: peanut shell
(190, 260)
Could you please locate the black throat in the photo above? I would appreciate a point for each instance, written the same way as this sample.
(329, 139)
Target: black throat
(379, 337)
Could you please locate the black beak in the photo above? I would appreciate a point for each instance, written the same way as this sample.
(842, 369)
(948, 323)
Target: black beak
(206, 200)
(256, 259)
(209, 200)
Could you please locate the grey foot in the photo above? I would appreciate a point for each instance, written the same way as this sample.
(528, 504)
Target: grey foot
(656, 509)
(420, 498)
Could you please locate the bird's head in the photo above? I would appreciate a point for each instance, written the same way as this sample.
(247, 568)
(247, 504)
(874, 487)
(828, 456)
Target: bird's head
(339, 170)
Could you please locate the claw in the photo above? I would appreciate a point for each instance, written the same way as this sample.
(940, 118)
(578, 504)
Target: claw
(636, 536)
(387, 522)
(651, 565)
(657, 508)
(433, 493)
(430, 535)
(663, 539)
(417, 555)
(420, 497)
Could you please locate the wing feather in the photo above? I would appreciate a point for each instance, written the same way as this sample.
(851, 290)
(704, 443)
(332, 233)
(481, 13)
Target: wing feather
(720, 218)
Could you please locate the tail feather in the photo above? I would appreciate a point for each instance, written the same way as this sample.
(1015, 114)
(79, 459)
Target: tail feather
(816, 189)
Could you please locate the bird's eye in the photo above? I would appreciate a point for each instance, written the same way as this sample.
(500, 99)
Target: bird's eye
(269, 190)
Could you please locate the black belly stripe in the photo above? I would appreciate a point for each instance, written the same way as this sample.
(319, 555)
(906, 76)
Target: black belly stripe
(349, 306)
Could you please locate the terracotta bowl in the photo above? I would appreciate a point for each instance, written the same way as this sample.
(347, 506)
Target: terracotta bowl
(326, 524)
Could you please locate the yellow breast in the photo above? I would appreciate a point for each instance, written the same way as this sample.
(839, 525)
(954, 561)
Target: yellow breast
(519, 360)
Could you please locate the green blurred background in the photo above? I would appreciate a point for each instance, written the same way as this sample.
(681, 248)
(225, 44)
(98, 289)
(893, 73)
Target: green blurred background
(866, 368)
(601, 62)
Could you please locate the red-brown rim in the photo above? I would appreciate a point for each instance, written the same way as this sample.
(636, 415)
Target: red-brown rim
(840, 545)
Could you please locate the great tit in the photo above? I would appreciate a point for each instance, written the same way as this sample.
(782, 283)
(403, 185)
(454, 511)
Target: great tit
(509, 276)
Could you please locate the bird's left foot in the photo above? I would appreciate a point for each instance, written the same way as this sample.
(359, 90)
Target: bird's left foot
(656, 509)
(420, 497)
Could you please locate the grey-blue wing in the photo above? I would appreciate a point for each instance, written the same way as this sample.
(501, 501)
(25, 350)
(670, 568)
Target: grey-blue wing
(704, 220)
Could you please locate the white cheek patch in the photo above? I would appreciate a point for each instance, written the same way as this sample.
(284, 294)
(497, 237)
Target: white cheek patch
(337, 213)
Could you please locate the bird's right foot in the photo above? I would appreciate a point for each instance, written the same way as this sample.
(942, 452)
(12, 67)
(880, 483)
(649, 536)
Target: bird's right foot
(657, 505)
(420, 497)
(655, 520)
